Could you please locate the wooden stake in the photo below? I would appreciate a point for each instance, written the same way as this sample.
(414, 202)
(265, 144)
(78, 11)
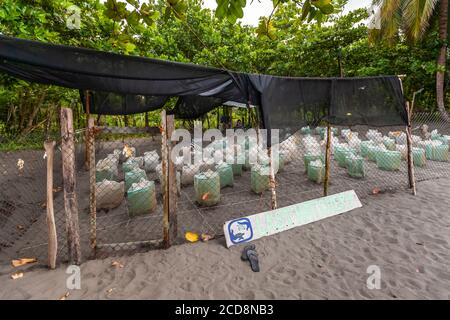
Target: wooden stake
(172, 178)
(327, 161)
(273, 199)
(411, 179)
(86, 136)
(90, 146)
(69, 180)
(169, 177)
(52, 235)
(165, 178)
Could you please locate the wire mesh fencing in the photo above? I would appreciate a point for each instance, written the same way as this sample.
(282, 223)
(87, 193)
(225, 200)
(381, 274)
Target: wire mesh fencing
(119, 181)
(128, 183)
(366, 159)
(23, 191)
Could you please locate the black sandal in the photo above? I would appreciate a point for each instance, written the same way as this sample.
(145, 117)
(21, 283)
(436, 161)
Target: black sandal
(253, 258)
(244, 256)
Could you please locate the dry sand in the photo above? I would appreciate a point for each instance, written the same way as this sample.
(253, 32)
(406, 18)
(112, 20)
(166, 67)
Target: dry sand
(407, 237)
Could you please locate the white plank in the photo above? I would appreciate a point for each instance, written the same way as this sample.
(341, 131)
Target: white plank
(246, 229)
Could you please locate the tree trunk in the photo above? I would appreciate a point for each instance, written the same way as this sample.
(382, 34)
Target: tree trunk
(441, 61)
(34, 112)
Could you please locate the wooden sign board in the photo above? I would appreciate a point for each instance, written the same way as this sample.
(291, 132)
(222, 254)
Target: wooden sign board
(263, 224)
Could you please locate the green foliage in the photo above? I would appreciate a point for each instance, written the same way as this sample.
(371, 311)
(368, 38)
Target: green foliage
(230, 9)
(283, 44)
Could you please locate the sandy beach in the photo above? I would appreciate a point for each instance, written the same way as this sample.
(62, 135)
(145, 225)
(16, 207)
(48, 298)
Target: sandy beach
(407, 237)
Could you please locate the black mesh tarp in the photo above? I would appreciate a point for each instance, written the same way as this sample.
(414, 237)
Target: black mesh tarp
(375, 101)
(118, 104)
(127, 84)
(192, 107)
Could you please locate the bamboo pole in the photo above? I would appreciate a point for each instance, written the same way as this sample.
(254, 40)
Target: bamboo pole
(92, 185)
(69, 180)
(327, 161)
(52, 235)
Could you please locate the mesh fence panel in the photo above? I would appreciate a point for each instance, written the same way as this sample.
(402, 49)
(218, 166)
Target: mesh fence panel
(128, 182)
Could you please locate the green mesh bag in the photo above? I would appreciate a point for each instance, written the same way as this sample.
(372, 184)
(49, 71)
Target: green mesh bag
(238, 164)
(389, 160)
(341, 153)
(225, 171)
(106, 169)
(259, 178)
(320, 130)
(105, 174)
(419, 158)
(207, 188)
(316, 171)
(305, 130)
(365, 147)
(389, 143)
(437, 153)
(445, 140)
(308, 157)
(323, 133)
(373, 152)
(141, 198)
(130, 165)
(134, 176)
(355, 166)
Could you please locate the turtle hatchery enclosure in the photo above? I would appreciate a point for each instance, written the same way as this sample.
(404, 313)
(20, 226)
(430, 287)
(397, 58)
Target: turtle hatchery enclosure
(120, 183)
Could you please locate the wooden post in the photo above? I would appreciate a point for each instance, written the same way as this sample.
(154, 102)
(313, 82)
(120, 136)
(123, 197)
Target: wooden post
(86, 136)
(90, 146)
(69, 180)
(172, 179)
(327, 161)
(411, 179)
(164, 182)
(169, 181)
(273, 199)
(52, 235)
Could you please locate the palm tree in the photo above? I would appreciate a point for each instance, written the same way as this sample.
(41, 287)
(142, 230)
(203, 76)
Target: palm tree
(412, 18)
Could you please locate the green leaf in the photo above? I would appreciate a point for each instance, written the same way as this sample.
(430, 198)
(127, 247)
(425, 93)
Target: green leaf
(327, 9)
(305, 10)
(312, 14)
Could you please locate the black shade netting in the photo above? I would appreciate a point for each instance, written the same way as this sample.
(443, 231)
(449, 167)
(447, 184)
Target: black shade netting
(129, 84)
(193, 107)
(376, 101)
(93, 70)
(109, 103)
(288, 104)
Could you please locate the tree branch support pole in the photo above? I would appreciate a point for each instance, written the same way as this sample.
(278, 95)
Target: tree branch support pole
(169, 177)
(51, 226)
(327, 161)
(90, 145)
(69, 180)
(86, 136)
(273, 193)
(411, 179)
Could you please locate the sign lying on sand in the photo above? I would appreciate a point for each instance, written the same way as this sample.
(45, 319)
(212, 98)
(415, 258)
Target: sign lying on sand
(267, 223)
